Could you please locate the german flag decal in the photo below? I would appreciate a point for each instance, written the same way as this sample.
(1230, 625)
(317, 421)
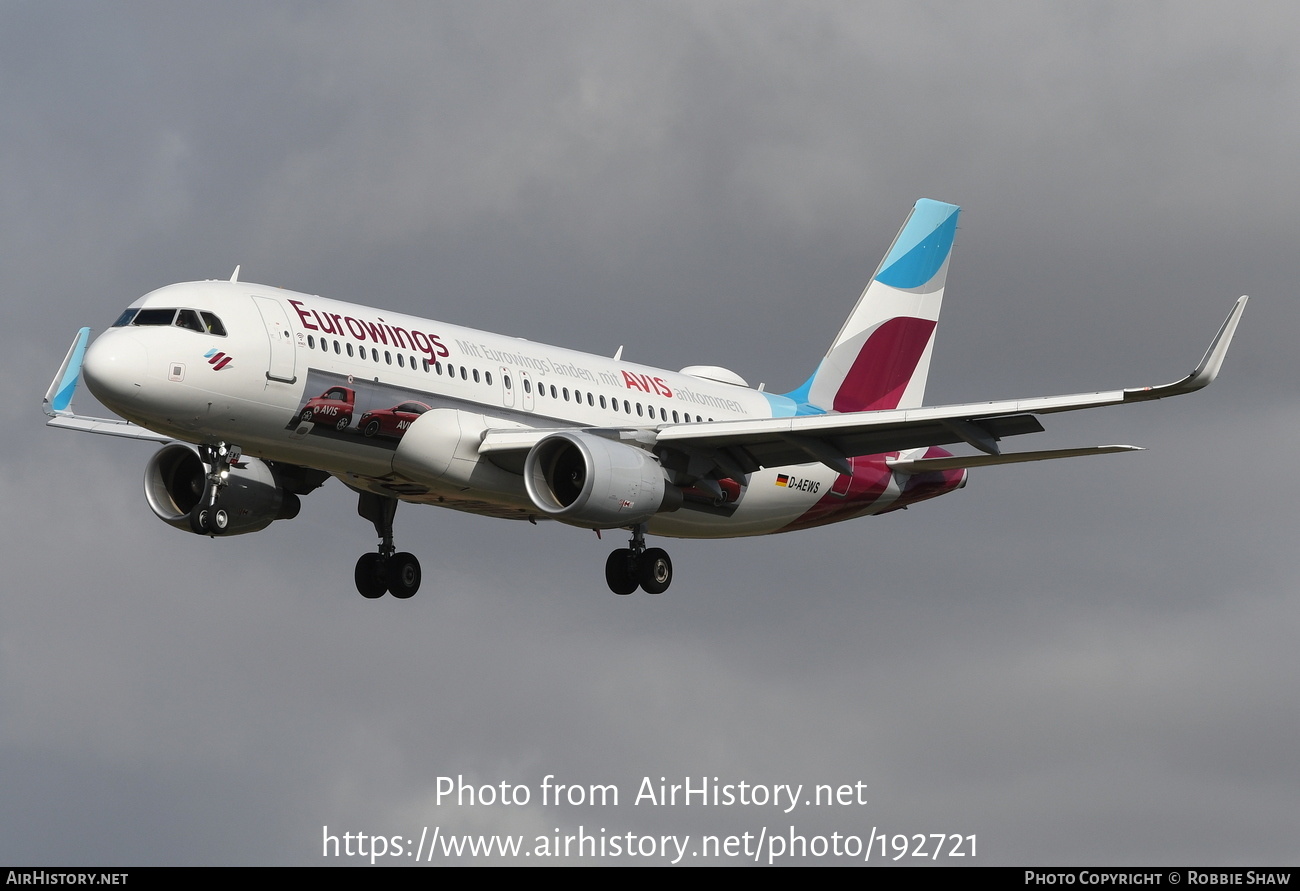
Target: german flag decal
(782, 479)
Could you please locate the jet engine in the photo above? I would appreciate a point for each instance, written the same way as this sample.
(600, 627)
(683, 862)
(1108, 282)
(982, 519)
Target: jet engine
(587, 480)
(254, 497)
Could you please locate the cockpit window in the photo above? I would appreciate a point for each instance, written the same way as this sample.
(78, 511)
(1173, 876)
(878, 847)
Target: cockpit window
(188, 318)
(193, 319)
(154, 317)
(213, 324)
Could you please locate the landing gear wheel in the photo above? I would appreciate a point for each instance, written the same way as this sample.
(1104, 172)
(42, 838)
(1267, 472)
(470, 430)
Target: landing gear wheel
(620, 572)
(209, 521)
(369, 578)
(655, 571)
(402, 575)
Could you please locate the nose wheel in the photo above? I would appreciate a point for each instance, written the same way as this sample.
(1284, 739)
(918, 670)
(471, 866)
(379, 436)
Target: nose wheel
(387, 571)
(209, 521)
(635, 566)
(207, 518)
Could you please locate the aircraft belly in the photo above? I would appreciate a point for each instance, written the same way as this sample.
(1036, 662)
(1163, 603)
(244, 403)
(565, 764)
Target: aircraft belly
(773, 498)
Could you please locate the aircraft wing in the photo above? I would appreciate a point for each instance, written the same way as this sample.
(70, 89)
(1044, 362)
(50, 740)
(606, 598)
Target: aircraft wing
(737, 447)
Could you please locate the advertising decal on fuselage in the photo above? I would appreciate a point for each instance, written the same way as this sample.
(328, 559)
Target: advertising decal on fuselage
(338, 406)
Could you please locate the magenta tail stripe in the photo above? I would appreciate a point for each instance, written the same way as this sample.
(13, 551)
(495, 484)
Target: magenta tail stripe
(884, 365)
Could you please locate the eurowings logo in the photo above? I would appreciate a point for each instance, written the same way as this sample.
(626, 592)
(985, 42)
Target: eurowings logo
(217, 359)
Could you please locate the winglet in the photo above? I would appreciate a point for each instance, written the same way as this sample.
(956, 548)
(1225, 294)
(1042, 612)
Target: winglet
(1205, 372)
(59, 396)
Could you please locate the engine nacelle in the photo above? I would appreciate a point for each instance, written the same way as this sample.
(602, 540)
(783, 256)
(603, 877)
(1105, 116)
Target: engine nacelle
(441, 449)
(587, 480)
(253, 497)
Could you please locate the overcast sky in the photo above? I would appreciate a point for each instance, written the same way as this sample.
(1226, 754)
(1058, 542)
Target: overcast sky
(1085, 662)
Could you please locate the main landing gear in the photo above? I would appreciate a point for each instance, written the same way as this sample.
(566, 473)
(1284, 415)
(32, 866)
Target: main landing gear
(637, 565)
(206, 518)
(385, 571)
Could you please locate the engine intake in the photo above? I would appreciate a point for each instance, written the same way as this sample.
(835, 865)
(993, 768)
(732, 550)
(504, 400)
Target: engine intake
(587, 480)
(253, 498)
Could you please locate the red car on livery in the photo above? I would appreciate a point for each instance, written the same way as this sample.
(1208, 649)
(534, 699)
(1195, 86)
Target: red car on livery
(333, 407)
(391, 421)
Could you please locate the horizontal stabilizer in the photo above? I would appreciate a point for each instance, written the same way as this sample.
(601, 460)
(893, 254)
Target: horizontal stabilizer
(924, 465)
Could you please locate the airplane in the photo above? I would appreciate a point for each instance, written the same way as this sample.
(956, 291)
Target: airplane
(259, 395)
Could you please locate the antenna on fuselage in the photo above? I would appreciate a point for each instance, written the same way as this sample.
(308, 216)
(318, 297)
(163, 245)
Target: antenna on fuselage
(618, 353)
(234, 276)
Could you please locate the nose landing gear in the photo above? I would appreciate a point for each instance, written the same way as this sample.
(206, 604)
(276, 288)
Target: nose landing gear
(636, 565)
(206, 518)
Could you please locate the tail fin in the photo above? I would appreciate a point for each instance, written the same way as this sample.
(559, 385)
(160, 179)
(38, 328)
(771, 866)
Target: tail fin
(881, 357)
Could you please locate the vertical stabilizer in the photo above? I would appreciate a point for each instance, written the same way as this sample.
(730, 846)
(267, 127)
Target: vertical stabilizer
(881, 357)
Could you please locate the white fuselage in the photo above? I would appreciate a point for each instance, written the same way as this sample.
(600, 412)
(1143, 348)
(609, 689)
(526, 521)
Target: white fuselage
(260, 384)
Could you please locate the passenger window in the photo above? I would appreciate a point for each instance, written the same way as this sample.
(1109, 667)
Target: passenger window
(505, 379)
(476, 375)
(349, 351)
(401, 363)
(488, 376)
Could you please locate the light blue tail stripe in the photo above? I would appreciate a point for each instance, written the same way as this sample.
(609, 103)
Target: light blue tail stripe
(799, 396)
(68, 385)
(922, 247)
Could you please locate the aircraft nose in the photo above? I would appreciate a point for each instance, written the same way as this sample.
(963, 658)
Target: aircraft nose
(114, 368)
